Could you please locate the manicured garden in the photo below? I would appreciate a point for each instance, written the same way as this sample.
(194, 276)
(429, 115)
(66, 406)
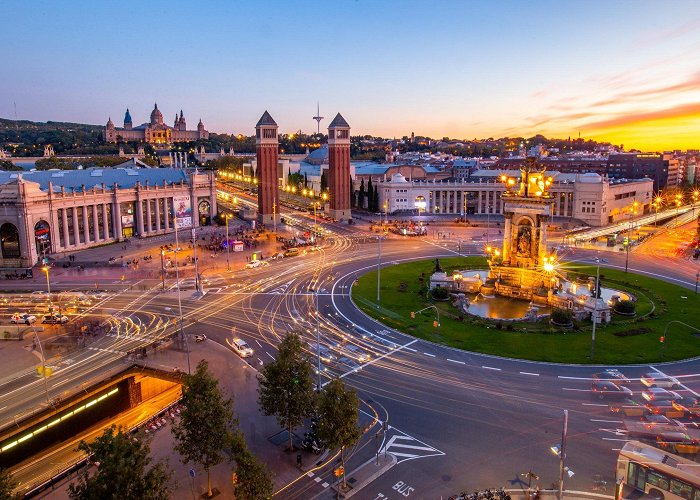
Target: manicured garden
(626, 340)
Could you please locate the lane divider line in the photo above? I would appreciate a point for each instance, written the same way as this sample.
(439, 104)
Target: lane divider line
(454, 361)
(491, 368)
(530, 373)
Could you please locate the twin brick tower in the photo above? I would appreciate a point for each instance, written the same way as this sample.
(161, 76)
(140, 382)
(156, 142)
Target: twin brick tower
(268, 170)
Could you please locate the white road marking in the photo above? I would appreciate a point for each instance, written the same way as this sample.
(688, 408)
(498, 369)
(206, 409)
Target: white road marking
(614, 439)
(606, 421)
(491, 368)
(310, 474)
(411, 349)
(270, 355)
(594, 404)
(371, 362)
(428, 354)
(317, 479)
(578, 390)
(325, 485)
(574, 378)
(259, 343)
(454, 361)
(682, 385)
(529, 373)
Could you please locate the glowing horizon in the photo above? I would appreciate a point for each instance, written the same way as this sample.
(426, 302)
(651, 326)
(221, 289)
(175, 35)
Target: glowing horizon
(619, 72)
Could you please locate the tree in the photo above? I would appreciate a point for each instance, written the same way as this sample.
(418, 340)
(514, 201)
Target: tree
(7, 486)
(8, 166)
(121, 461)
(306, 181)
(375, 201)
(370, 196)
(252, 478)
(353, 203)
(324, 181)
(207, 426)
(338, 418)
(287, 387)
(361, 195)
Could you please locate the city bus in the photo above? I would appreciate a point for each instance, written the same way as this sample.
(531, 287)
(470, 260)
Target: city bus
(642, 468)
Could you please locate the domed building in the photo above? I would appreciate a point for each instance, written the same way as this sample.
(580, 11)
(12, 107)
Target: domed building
(155, 131)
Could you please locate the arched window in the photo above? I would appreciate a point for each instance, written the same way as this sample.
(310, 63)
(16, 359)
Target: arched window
(9, 241)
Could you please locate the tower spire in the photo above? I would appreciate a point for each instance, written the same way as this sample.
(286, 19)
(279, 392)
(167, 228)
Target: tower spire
(318, 118)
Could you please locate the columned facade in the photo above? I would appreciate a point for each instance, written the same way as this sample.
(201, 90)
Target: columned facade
(339, 168)
(266, 152)
(54, 220)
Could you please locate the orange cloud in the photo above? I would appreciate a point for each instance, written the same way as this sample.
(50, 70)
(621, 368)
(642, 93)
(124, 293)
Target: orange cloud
(680, 111)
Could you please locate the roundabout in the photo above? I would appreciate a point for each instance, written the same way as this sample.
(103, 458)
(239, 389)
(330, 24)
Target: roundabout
(627, 339)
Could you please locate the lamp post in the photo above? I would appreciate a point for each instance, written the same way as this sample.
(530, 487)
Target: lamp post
(697, 278)
(562, 454)
(595, 310)
(162, 267)
(664, 338)
(43, 363)
(179, 296)
(629, 236)
(488, 222)
(228, 245)
(318, 343)
(48, 283)
(379, 267)
(696, 194)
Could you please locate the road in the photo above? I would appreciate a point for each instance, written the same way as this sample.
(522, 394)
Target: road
(457, 420)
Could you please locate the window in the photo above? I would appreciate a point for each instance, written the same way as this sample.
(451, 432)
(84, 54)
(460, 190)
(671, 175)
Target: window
(657, 479)
(9, 241)
(681, 489)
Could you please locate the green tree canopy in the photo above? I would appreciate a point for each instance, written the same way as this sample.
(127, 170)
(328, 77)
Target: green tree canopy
(207, 428)
(338, 418)
(253, 478)
(287, 387)
(8, 166)
(122, 470)
(7, 486)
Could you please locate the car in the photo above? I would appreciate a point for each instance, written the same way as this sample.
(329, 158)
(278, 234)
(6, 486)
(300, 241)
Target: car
(659, 394)
(687, 404)
(656, 379)
(354, 351)
(242, 348)
(605, 389)
(55, 319)
(612, 375)
(253, 264)
(291, 252)
(200, 338)
(27, 319)
(663, 407)
(655, 418)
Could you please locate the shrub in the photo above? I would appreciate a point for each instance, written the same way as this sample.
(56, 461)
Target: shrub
(632, 332)
(403, 286)
(625, 307)
(440, 293)
(561, 316)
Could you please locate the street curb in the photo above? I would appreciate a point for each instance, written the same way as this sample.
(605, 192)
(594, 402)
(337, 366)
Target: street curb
(356, 488)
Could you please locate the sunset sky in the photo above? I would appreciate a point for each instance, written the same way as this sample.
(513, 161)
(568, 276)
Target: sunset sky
(622, 71)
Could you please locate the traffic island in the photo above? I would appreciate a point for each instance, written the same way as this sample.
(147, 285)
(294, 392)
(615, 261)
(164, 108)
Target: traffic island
(664, 327)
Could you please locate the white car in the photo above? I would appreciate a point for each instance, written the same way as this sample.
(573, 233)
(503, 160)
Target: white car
(656, 379)
(253, 264)
(23, 318)
(200, 338)
(242, 348)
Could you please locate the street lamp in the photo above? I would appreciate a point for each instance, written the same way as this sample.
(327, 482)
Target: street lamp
(663, 338)
(697, 278)
(379, 267)
(179, 296)
(43, 363)
(657, 204)
(48, 282)
(228, 244)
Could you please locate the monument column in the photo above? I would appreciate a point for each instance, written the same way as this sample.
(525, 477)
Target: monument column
(86, 225)
(542, 244)
(76, 227)
(64, 219)
(266, 153)
(105, 222)
(95, 224)
(166, 215)
(339, 168)
(148, 215)
(507, 236)
(158, 214)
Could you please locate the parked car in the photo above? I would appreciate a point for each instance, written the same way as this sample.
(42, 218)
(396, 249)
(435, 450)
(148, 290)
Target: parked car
(688, 404)
(241, 348)
(200, 338)
(659, 394)
(23, 318)
(55, 319)
(292, 252)
(605, 389)
(656, 379)
(612, 375)
(663, 407)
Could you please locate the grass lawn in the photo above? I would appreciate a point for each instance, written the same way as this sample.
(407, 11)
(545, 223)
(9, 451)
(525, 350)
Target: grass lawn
(623, 341)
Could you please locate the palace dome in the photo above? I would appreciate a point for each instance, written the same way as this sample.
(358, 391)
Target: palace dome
(156, 115)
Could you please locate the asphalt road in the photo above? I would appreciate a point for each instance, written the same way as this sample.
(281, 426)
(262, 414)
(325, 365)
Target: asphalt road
(457, 420)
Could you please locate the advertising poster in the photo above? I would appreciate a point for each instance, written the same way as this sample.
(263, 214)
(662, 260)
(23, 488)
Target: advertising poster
(183, 211)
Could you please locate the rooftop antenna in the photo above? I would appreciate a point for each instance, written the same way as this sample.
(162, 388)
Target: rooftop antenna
(318, 119)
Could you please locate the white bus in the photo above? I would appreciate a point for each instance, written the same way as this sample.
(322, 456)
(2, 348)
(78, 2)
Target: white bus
(645, 469)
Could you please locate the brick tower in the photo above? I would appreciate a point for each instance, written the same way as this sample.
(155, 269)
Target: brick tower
(266, 146)
(339, 168)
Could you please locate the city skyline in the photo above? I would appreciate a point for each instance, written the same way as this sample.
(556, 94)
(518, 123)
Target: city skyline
(624, 72)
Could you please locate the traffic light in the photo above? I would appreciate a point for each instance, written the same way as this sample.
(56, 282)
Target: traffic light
(661, 339)
(436, 324)
(339, 471)
(413, 314)
(626, 241)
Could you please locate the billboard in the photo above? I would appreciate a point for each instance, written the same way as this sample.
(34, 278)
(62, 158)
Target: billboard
(183, 211)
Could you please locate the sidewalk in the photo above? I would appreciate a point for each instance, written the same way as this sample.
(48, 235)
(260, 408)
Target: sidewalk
(361, 476)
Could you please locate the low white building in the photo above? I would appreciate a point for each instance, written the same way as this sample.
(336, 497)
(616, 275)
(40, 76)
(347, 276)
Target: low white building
(590, 198)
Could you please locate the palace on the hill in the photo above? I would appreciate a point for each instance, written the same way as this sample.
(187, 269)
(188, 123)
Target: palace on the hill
(156, 131)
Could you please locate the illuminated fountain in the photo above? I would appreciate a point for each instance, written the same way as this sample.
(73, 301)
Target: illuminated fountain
(523, 280)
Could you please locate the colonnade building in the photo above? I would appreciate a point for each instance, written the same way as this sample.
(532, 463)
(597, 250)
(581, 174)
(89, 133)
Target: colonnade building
(590, 198)
(54, 212)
